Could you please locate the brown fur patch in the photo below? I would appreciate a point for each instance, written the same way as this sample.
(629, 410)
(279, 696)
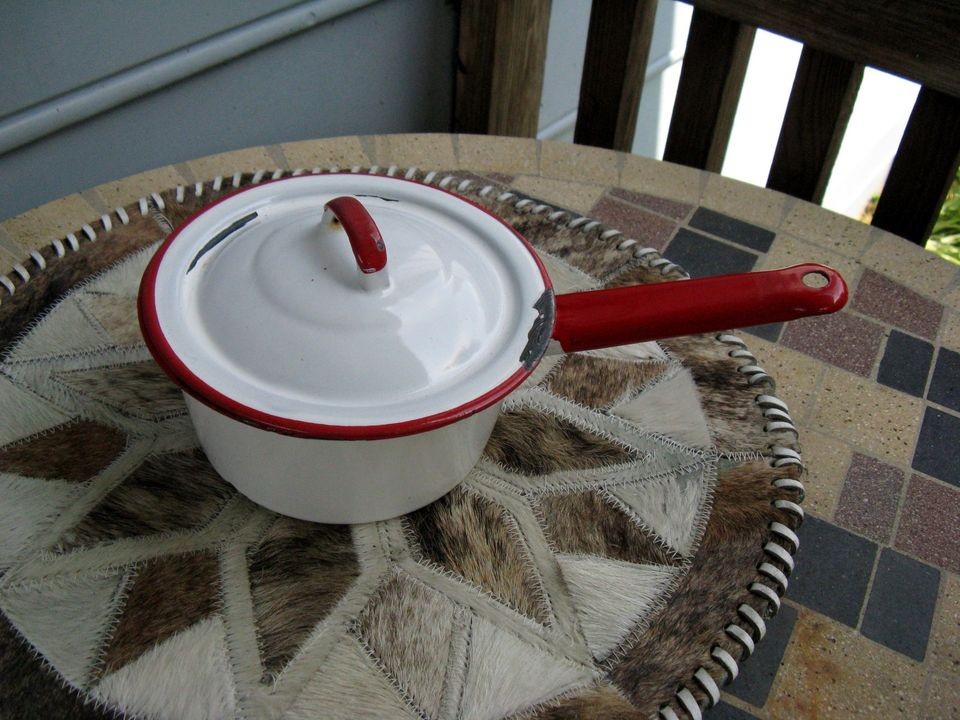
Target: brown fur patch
(468, 535)
(587, 524)
(598, 382)
(582, 250)
(30, 689)
(408, 627)
(74, 451)
(743, 498)
(167, 595)
(526, 441)
(736, 422)
(298, 572)
(680, 638)
(46, 287)
(167, 493)
(636, 274)
(138, 389)
(600, 703)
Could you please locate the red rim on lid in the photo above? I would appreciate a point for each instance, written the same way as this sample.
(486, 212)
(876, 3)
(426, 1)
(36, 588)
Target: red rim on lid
(257, 308)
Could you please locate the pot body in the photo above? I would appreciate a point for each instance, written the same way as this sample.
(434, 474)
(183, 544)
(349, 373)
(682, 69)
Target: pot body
(341, 481)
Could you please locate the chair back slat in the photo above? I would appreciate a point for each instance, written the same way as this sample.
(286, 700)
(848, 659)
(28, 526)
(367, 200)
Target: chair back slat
(618, 45)
(711, 78)
(819, 108)
(923, 168)
(916, 39)
(502, 52)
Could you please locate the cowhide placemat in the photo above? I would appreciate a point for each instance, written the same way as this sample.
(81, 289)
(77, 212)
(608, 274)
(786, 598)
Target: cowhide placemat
(612, 555)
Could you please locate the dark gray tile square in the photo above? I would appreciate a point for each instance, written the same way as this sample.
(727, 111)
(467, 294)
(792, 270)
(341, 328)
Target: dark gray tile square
(732, 229)
(902, 600)
(700, 255)
(945, 384)
(723, 711)
(936, 452)
(757, 673)
(833, 570)
(905, 363)
(769, 332)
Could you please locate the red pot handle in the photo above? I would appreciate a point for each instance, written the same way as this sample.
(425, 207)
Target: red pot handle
(363, 233)
(621, 316)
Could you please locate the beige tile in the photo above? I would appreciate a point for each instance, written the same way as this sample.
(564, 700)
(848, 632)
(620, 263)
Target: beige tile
(944, 648)
(942, 699)
(910, 265)
(228, 163)
(827, 461)
(950, 334)
(428, 151)
(952, 298)
(744, 201)
(39, 226)
(130, 189)
(882, 421)
(485, 153)
(831, 671)
(790, 250)
(343, 152)
(796, 374)
(822, 227)
(569, 195)
(565, 161)
(662, 179)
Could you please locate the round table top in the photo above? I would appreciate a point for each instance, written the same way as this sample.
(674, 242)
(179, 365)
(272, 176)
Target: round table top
(870, 616)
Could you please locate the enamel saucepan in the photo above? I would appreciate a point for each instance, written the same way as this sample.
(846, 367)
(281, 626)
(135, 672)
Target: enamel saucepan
(344, 341)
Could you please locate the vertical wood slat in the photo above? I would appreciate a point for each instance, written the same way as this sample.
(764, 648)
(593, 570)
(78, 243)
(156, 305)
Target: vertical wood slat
(821, 101)
(711, 78)
(501, 56)
(924, 166)
(618, 45)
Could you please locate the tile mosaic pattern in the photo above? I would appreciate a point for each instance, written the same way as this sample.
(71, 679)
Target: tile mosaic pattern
(873, 392)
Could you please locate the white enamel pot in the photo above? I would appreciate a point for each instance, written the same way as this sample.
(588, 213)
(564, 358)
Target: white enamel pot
(344, 341)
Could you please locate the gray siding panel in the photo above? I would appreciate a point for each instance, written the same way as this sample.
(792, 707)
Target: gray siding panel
(385, 68)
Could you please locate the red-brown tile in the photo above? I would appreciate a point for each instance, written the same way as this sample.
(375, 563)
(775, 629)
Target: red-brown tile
(868, 502)
(884, 299)
(646, 228)
(841, 339)
(929, 522)
(670, 208)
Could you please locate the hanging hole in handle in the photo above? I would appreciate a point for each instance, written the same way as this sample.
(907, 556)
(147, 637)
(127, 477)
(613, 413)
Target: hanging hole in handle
(815, 280)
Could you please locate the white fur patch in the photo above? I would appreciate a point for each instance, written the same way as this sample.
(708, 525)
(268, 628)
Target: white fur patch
(671, 407)
(507, 675)
(29, 506)
(124, 278)
(64, 330)
(65, 621)
(23, 413)
(564, 277)
(186, 677)
(669, 506)
(349, 687)
(547, 363)
(612, 597)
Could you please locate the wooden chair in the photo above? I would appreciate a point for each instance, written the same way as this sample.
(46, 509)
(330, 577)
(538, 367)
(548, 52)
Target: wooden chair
(502, 48)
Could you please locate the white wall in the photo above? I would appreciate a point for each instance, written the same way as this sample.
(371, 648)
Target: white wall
(371, 67)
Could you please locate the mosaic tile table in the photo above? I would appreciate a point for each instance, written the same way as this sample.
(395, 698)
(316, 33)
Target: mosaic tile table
(625, 582)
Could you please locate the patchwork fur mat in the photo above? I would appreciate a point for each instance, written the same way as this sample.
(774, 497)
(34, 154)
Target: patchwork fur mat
(612, 555)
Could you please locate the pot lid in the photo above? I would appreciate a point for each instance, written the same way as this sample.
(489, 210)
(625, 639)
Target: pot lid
(262, 307)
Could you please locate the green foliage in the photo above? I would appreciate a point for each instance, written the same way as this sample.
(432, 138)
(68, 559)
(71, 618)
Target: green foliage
(945, 238)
